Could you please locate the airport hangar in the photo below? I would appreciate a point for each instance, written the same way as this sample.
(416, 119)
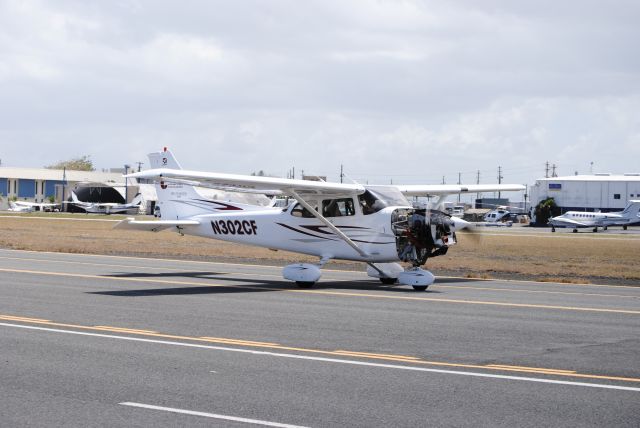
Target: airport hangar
(39, 184)
(597, 192)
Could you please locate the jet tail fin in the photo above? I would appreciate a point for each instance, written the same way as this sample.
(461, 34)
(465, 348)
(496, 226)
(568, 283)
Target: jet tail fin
(632, 209)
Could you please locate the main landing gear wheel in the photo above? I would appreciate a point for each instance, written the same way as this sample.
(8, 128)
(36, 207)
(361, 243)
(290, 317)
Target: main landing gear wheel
(388, 281)
(595, 229)
(624, 227)
(420, 287)
(305, 284)
(553, 229)
(575, 230)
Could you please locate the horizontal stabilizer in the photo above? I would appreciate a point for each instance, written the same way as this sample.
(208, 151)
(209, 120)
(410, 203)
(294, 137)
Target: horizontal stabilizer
(153, 225)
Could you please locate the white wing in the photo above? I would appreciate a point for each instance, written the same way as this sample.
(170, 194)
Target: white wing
(250, 183)
(452, 189)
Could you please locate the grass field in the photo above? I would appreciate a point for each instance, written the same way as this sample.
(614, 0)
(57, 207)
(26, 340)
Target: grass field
(562, 257)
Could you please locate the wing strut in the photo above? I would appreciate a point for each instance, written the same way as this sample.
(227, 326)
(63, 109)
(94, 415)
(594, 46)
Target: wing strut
(327, 223)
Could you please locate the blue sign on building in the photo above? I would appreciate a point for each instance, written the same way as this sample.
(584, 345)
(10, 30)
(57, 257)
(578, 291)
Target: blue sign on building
(555, 186)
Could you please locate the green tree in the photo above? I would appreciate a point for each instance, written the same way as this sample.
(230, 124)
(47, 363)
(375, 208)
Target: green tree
(82, 163)
(545, 210)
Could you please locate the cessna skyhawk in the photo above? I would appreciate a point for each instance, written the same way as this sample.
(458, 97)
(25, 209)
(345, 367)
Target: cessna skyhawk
(106, 207)
(372, 224)
(579, 219)
(28, 207)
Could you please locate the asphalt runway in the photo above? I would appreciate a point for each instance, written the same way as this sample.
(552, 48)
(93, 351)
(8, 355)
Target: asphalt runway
(117, 341)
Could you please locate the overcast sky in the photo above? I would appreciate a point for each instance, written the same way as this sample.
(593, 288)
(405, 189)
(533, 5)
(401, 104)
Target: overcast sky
(407, 91)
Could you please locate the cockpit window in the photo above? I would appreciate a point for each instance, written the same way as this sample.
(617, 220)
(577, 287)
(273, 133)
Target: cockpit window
(338, 207)
(300, 211)
(376, 198)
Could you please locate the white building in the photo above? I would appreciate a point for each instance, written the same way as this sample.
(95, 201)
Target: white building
(605, 192)
(38, 184)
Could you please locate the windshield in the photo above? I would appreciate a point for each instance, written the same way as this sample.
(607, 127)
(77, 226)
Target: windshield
(389, 195)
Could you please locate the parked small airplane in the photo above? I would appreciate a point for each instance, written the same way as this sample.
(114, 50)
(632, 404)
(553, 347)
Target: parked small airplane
(106, 207)
(581, 219)
(27, 207)
(373, 224)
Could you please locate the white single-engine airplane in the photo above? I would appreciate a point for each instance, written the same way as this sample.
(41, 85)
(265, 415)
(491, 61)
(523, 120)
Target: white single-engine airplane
(106, 207)
(28, 207)
(580, 219)
(371, 224)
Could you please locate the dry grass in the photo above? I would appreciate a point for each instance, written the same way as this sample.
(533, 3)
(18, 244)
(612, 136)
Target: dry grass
(518, 256)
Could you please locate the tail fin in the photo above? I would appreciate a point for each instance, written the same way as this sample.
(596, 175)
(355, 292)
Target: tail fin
(175, 200)
(163, 159)
(74, 197)
(631, 210)
(137, 200)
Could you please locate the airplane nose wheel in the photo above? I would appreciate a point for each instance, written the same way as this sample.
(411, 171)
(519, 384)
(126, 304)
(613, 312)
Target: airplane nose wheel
(420, 287)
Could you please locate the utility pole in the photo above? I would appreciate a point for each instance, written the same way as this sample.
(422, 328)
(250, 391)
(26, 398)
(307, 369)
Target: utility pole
(341, 173)
(459, 182)
(553, 170)
(546, 169)
(126, 181)
(478, 195)
(140, 165)
(443, 180)
(500, 177)
(64, 188)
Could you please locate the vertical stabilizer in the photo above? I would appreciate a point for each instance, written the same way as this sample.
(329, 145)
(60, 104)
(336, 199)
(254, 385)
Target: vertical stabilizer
(175, 200)
(631, 210)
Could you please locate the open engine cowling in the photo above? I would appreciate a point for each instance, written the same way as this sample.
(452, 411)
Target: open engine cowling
(421, 234)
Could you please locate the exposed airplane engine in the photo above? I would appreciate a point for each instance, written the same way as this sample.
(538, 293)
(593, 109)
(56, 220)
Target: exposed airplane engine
(421, 234)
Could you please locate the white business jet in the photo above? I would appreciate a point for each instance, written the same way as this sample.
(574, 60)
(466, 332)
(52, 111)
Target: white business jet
(28, 207)
(372, 224)
(581, 219)
(106, 207)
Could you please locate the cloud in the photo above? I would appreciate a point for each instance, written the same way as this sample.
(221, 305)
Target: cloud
(402, 90)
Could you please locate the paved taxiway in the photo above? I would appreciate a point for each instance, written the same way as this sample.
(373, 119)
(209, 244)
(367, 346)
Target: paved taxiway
(95, 340)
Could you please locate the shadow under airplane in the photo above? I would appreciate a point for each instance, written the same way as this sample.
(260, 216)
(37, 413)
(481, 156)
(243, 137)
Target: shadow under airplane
(244, 285)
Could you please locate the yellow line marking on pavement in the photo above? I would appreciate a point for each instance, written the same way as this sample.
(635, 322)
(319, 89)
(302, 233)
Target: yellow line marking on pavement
(238, 341)
(368, 354)
(122, 329)
(25, 319)
(567, 293)
(472, 302)
(152, 280)
(355, 354)
(333, 293)
(504, 366)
